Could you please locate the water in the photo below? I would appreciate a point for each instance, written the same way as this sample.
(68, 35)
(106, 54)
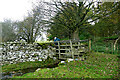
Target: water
(10, 75)
(24, 71)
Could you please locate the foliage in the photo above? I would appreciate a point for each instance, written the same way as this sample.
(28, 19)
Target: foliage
(61, 64)
(84, 34)
(51, 37)
(97, 65)
(45, 44)
(72, 17)
(109, 25)
(105, 45)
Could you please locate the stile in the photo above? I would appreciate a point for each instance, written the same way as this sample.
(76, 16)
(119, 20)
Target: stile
(73, 48)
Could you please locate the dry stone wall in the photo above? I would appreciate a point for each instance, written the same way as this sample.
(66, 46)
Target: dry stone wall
(12, 53)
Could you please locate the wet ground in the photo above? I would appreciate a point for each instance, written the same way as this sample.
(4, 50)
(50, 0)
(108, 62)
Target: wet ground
(22, 72)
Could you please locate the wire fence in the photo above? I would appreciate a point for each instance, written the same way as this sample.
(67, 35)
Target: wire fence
(106, 47)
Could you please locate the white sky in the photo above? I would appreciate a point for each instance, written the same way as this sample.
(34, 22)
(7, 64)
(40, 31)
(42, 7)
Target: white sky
(14, 9)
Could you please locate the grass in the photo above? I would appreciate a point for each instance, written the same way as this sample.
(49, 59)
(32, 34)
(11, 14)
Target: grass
(97, 65)
(28, 65)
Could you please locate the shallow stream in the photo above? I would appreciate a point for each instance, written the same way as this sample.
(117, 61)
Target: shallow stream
(22, 72)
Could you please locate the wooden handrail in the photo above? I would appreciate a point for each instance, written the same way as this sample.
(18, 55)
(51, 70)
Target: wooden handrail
(73, 41)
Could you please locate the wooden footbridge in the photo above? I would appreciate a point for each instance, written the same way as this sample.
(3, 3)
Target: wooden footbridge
(72, 48)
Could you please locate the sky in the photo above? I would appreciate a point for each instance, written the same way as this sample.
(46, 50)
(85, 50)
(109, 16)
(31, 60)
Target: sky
(17, 9)
(14, 9)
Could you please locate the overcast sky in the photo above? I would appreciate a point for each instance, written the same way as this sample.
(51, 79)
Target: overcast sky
(14, 9)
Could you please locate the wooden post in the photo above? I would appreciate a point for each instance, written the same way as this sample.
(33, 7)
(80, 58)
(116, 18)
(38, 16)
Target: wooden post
(78, 48)
(71, 49)
(59, 49)
(89, 45)
(78, 45)
(112, 47)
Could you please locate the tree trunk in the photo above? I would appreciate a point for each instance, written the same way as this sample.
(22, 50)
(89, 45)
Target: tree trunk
(75, 35)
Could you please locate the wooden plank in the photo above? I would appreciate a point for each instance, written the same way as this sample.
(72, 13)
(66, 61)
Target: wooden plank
(59, 49)
(63, 53)
(64, 45)
(75, 45)
(62, 49)
(71, 49)
(80, 51)
(63, 58)
(79, 47)
(73, 41)
(89, 45)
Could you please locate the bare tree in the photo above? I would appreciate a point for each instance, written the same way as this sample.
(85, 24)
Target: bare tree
(30, 29)
(8, 32)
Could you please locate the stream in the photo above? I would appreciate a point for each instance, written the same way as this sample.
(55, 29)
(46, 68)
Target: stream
(22, 72)
(18, 73)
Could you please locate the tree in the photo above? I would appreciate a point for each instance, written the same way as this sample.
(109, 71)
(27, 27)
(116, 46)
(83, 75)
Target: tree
(72, 17)
(108, 25)
(8, 33)
(30, 29)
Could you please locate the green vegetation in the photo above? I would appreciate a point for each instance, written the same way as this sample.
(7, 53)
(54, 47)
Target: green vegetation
(106, 45)
(45, 44)
(29, 65)
(97, 65)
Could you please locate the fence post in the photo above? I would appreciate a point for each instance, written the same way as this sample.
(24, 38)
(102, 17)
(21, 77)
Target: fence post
(71, 49)
(89, 45)
(112, 47)
(59, 48)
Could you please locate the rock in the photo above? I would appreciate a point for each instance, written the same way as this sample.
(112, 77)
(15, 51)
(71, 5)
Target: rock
(38, 69)
(69, 60)
(40, 60)
(62, 62)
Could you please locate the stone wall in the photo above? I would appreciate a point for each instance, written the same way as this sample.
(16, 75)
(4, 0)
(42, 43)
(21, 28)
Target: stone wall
(21, 52)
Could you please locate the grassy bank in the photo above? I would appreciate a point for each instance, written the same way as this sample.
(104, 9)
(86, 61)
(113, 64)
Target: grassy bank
(29, 65)
(97, 65)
